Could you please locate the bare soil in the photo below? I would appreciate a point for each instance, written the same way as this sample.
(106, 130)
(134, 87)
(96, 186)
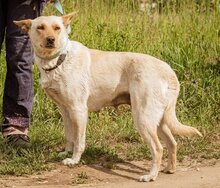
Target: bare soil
(190, 174)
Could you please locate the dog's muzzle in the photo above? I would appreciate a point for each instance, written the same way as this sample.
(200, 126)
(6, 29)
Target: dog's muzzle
(50, 42)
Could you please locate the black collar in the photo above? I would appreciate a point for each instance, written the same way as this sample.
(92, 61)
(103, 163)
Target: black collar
(59, 62)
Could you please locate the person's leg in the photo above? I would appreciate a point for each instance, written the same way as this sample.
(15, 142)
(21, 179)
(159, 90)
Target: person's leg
(18, 92)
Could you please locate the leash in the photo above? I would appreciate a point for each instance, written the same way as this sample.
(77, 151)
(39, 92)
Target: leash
(59, 8)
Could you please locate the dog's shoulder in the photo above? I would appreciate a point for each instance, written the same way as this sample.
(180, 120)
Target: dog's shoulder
(78, 50)
(77, 46)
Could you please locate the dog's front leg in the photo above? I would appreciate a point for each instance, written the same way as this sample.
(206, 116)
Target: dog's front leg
(78, 118)
(67, 131)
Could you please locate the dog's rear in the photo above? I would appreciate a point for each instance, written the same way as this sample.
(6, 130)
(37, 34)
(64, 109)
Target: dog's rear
(154, 89)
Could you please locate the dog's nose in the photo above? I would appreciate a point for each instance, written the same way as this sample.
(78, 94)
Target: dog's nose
(50, 39)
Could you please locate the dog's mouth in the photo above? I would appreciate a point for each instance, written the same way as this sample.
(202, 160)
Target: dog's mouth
(50, 45)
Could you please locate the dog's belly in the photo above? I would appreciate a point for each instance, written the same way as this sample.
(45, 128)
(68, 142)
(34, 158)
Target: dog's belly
(96, 102)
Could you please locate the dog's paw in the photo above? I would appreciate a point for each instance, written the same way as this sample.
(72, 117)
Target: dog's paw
(70, 162)
(147, 178)
(168, 170)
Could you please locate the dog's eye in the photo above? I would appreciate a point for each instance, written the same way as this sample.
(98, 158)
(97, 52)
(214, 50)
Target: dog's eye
(40, 27)
(56, 28)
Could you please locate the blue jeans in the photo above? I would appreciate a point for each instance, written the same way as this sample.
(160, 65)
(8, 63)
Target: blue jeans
(18, 88)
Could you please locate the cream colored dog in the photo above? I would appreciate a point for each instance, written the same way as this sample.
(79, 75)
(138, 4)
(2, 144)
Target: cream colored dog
(79, 79)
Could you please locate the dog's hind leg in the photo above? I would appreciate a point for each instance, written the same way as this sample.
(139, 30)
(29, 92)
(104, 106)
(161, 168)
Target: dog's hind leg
(78, 118)
(166, 135)
(147, 116)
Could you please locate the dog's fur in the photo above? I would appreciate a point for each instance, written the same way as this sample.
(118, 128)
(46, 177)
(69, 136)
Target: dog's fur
(90, 79)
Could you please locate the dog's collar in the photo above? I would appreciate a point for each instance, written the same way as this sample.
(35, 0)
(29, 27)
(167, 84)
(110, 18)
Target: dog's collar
(59, 62)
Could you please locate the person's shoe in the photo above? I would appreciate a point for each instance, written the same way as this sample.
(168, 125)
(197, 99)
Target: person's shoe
(18, 140)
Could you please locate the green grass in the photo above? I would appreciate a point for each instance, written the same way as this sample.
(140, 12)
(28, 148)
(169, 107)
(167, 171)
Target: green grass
(188, 40)
(81, 178)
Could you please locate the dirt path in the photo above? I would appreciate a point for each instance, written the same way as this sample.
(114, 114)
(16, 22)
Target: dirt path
(124, 175)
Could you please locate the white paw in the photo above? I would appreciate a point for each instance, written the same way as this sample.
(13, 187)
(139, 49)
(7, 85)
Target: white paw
(70, 162)
(147, 178)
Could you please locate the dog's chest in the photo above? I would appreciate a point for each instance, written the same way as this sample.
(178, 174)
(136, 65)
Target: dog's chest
(49, 80)
(54, 86)
(55, 94)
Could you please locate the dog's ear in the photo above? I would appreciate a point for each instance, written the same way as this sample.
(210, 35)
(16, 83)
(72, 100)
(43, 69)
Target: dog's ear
(67, 18)
(25, 25)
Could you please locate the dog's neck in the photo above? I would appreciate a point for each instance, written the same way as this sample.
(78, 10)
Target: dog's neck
(59, 61)
(51, 63)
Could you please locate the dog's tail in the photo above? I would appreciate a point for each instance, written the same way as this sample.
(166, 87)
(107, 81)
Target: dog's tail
(175, 126)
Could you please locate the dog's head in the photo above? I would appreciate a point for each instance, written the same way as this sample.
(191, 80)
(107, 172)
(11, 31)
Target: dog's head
(48, 34)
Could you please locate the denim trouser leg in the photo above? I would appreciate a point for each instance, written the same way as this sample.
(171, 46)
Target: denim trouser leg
(18, 88)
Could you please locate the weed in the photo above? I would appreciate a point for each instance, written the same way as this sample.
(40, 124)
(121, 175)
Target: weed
(81, 178)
